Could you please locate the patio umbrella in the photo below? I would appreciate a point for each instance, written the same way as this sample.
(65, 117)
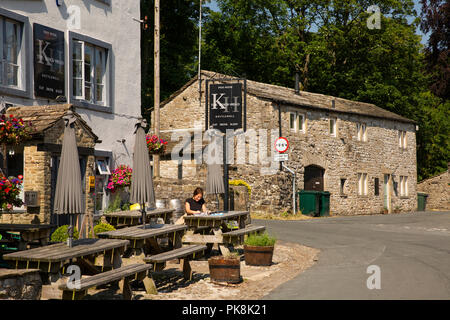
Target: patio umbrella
(68, 193)
(141, 180)
(214, 181)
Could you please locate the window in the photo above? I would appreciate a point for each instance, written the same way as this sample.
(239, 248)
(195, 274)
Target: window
(362, 184)
(89, 72)
(377, 186)
(103, 167)
(333, 126)
(297, 122)
(403, 186)
(402, 139)
(10, 49)
(361, 132)
(342, 186)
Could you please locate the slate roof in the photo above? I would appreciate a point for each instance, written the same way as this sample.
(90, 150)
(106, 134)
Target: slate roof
(287, 96)
(44, 117)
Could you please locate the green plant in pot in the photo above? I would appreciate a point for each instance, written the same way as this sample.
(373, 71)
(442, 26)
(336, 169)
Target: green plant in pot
(226, 268)
(258, 249)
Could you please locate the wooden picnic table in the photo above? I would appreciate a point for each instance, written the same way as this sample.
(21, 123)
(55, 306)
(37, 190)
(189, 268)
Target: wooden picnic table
(29, 233)
(146, 237)
(52, 259)
(215, 225)
(122, 219)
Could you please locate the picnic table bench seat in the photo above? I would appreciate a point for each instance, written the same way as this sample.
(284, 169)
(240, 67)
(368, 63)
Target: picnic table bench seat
(124, 274)
(186, 253)
(235, 235)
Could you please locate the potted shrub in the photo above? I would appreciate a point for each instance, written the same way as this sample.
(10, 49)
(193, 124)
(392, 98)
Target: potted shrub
(258, 249)
(225, 268)
(61, 234)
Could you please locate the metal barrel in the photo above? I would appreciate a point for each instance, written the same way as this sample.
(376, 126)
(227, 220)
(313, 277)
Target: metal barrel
(178, 206)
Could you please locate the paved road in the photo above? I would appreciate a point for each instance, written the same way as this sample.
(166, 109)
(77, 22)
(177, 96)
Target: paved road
(412, 251)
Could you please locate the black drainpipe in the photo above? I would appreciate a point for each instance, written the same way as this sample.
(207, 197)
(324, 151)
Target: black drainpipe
(280, 134)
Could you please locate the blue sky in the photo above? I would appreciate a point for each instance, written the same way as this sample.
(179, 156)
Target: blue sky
(213, 6)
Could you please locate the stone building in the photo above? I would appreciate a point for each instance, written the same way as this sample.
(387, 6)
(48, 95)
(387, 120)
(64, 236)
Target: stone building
(82, 52)
(37, 160)
(363, 155)
(438, 190)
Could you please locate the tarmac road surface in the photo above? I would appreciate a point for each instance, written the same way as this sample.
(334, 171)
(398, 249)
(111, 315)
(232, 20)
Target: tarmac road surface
(412, 251)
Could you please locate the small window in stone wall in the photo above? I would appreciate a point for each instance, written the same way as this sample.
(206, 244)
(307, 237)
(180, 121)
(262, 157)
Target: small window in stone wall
(333, 126)
(342, 186)
(377, 186)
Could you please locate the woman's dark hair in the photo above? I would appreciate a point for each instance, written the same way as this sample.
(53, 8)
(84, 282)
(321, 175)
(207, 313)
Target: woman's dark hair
(198, 191)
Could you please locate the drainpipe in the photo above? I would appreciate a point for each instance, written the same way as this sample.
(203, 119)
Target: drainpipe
(293, 186)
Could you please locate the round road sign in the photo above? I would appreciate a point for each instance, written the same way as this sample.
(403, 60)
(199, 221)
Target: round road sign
(281, 145)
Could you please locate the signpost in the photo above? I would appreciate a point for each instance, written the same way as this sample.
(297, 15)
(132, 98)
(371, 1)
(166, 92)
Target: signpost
(49, 56)
(226, 108)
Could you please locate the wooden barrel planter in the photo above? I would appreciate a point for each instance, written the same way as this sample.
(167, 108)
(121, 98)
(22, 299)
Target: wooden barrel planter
(224, 269)
(258, 255)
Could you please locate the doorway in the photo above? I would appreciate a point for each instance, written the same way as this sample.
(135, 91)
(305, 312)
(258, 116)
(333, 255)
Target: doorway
(314, 178)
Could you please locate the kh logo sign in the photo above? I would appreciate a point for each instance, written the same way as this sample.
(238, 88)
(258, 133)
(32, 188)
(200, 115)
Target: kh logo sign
(225, 106)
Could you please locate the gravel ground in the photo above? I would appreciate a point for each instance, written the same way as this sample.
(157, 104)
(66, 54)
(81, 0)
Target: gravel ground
(289, 260)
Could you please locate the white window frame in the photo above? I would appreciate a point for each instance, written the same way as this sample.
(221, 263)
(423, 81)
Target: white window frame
(294, 122)
(402, 141)
(362, 184)
(20, 61)
(301, 121)
(334, 133)
(99, 167)
(403, 186)
(94, 49)
(361, 131)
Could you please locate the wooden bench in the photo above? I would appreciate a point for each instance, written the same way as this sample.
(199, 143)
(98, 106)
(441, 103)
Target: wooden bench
(185, 253)
(124, 274)
(236, 236)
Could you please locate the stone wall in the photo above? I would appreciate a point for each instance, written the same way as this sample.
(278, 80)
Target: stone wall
(341, 156)
(20, 284)
(438, 190)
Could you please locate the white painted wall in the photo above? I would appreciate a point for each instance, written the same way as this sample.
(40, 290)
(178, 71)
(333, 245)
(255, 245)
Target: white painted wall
(114, 24)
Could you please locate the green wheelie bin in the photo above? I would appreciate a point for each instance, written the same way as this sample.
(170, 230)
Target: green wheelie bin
(309, 202)
(324, 204)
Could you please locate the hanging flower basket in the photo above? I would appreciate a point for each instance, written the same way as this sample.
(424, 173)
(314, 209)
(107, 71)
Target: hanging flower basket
(155, 145)
(9, 192)
(14, 131)
(120, 178)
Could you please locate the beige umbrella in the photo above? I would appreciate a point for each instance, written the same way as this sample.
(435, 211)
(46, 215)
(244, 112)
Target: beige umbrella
(214, 181)
(141, 181)
(68, 193)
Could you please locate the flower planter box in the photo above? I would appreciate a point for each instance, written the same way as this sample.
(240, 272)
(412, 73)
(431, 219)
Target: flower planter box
(224, 269)
(258, 255)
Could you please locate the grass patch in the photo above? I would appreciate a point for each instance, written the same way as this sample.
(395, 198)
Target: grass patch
(282, 216)
(263, 240)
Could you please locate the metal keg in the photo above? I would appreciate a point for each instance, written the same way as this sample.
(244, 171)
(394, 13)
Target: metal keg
(178, 206)
(160, 203)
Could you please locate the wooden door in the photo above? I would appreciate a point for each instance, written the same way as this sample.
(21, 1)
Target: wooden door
(313, 178)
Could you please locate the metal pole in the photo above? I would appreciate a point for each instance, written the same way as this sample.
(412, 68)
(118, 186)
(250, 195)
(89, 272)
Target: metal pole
(225, 174)
(156, 93)
(293, 187)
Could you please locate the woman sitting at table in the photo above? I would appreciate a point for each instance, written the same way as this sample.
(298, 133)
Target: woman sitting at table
(194, 205)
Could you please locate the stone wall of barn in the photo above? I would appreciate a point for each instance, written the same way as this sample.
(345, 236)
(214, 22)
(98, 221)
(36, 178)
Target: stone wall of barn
(438, 190)
(342, 156)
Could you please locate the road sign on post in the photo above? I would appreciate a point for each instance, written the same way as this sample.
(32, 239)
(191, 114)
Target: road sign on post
(281, 145)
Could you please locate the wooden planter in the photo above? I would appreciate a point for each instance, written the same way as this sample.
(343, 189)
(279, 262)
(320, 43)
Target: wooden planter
(258, 256)
(224, 269)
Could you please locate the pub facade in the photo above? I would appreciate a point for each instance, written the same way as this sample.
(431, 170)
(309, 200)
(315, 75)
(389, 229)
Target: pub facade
(82, 53)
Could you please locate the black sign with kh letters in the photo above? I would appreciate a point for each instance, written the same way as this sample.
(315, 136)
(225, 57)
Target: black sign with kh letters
(225, 106)
(48, 62)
